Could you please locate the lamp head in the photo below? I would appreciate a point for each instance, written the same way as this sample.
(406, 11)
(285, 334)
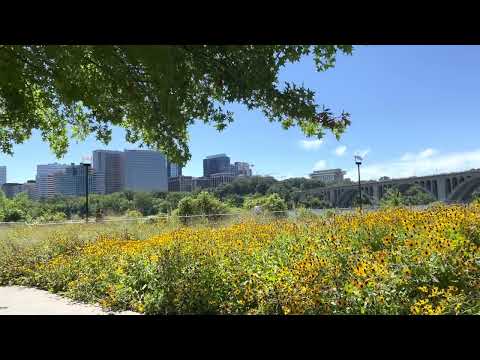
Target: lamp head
(86, 160)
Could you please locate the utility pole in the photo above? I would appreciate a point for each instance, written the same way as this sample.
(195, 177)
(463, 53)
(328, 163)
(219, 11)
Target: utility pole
(87, 166)
(358, 161)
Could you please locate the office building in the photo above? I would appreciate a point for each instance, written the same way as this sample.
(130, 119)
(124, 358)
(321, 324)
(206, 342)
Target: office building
(200, 183)
(180, 183)
(72, 181)
(3, 175)
(145, 170)
(30, 187)
(221, 178)
(45, 187)
(216, 164)
(108, 166)
(242, 169)
(173, 170)
(11, 189)
(328, 176)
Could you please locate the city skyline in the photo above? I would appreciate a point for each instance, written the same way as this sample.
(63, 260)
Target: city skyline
(413, 112)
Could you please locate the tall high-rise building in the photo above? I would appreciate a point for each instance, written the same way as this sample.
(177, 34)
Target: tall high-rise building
(45, 181)
(3, 175)
(173, 170)
(242, 169)
(109, 167)
(72, 181)
(215, 164)
(145, 170)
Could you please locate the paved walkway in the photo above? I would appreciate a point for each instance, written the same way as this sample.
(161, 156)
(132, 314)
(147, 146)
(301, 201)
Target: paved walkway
(17, 300)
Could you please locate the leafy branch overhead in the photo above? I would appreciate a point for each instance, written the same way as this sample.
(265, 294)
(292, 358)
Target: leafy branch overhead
(154, 92)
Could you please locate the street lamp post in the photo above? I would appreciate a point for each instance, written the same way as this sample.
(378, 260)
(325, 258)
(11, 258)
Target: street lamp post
(358, 161)
(87, 166)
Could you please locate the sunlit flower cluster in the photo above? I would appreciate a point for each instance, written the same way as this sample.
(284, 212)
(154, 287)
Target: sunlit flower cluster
(394, 261)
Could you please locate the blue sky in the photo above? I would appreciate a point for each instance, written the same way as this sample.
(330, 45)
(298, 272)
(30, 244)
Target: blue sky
(414, 111)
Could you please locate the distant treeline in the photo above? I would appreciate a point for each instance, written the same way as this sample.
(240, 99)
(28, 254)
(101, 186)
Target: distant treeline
(241, 193)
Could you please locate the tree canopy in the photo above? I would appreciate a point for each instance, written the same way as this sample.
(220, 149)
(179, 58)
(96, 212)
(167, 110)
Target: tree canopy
(154, 92)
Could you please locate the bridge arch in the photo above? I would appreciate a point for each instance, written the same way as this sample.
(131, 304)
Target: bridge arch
(448, 187)
(454, 183)
(464, 190)
(429, 186)
(348, 195)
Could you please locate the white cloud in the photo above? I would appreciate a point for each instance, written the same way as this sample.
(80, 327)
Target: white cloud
(427, 153)
(320, 165)
(407, 157)
(421, 155)
(311, 144)
(339, 151)
(426, 162)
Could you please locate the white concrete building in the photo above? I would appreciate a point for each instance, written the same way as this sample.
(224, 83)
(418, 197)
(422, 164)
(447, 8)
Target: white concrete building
(145, 170)
(328, 176)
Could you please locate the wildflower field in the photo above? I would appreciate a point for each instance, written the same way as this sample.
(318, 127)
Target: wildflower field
(393, 261)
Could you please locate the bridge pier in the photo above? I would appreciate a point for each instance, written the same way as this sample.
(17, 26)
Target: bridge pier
(442, 189)
(376, 192)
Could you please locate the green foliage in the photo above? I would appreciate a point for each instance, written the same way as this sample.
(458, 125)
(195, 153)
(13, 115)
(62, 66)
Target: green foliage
(295, 189)
(245, 186)
(365, 200)
(51, 217)
(392, 198)
(17, 209)
(155, 92)
(133, 214)
(415, 195)
(169, 203)
(290, 190)
(234, 200)
(143, 202)
(201, 204)
(475, 197)
(271, 203)
(305, 214)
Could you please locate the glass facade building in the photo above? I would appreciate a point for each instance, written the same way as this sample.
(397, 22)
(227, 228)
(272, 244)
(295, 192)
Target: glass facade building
(108, 166)
(145, 170)
(216, 164)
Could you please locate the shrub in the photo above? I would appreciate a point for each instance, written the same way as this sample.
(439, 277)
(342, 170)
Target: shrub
(329, 213)
(393, 198)
(51, 217)
(133, 214)
(272, 203)
(305, 214)
(203, 203)
(416, 195)
(13, 214)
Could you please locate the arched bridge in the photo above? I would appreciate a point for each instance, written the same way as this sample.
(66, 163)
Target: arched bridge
(451, 187)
